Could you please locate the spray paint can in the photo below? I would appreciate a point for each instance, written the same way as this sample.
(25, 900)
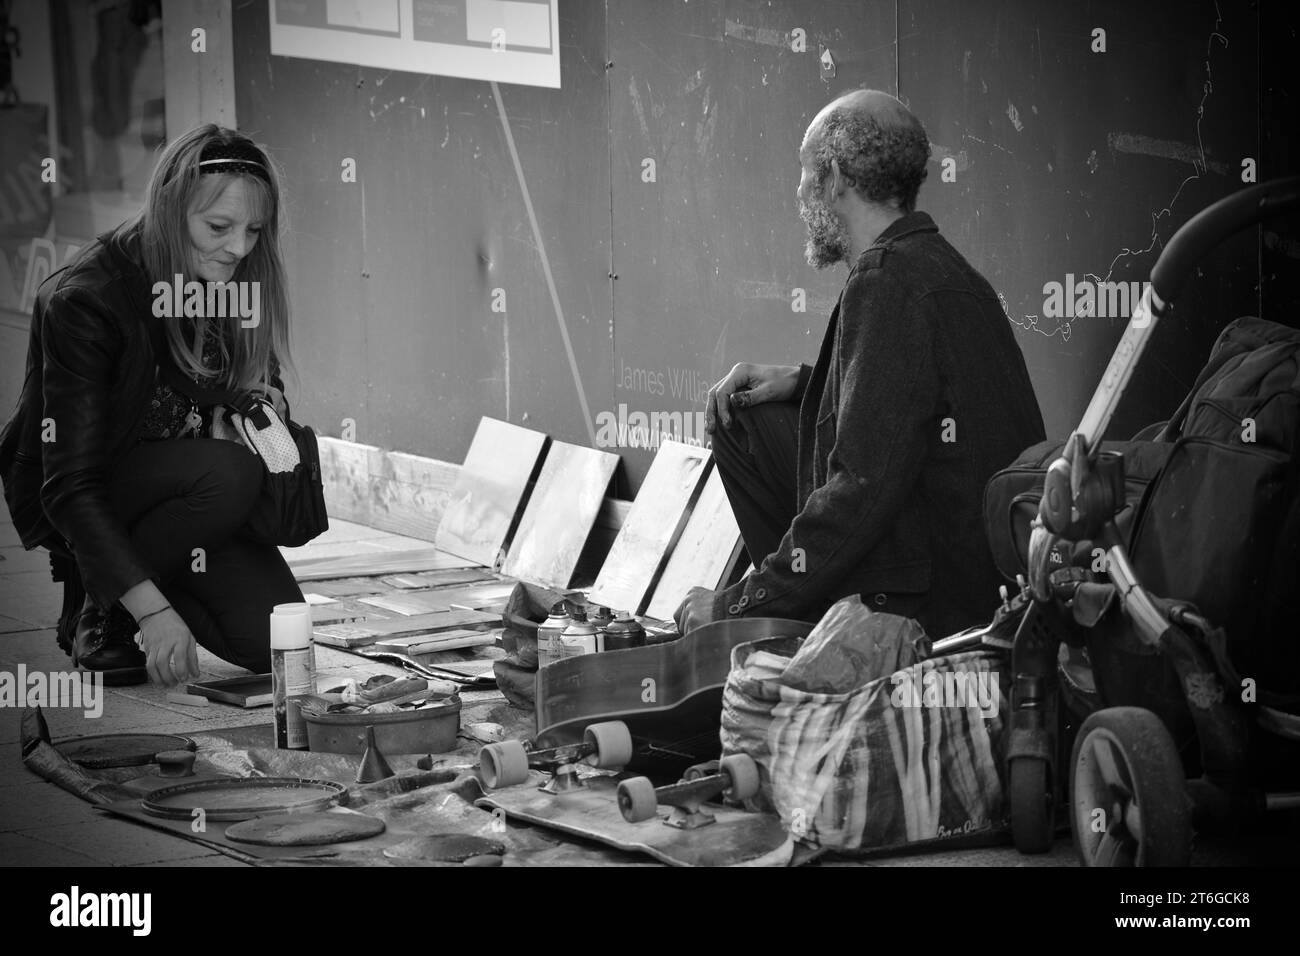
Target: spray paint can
(293, 672)
(624, 632)
(601, 618)
(579, 637)
(549, 633)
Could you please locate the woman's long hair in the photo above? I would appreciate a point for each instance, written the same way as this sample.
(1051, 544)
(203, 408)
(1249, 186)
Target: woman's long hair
(177, 189)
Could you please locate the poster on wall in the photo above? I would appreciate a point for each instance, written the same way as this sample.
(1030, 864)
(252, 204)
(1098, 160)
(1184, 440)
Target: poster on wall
(509, 41)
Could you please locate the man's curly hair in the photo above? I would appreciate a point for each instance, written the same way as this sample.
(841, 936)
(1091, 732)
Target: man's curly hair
(883, 162)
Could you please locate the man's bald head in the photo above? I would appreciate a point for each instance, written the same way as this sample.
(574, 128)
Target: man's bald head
(876, 141)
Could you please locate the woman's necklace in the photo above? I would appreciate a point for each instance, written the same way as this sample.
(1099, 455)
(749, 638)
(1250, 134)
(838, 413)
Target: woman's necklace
(194, 419)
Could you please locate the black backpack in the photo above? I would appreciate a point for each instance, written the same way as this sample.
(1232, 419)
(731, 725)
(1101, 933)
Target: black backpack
(1212, 509)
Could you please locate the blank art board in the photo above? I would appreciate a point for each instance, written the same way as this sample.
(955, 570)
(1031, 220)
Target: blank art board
(560, 514)
(704, 554)
(652, 526)
(489, 489)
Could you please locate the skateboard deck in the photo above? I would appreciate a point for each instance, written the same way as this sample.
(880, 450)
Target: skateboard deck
(737, 838)
(669, 695)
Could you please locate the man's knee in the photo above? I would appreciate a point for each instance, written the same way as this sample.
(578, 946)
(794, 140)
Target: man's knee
(752, 428)
(728, 444)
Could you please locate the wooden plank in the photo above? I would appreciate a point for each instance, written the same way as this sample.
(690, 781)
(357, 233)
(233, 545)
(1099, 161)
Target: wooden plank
(368, 632)
(351, 490)
(341, 612)
(652, 527)
(416, 645)
(402, 581)
(706, 552)
(442, 599)
(394, 562)
(560, 514)
(437, 579)
(489, 490)
(389, 490)
(347, 587)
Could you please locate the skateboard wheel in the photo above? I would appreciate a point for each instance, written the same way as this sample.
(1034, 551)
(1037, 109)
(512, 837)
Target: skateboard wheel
(503, 764)
(742, 776)
(613, 744)
(636, 800)
(697, 770)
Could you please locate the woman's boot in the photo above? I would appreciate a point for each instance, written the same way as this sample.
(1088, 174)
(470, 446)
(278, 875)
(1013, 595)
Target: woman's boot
(104, 642)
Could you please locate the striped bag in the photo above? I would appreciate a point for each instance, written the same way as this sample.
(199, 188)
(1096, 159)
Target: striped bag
(907, 758)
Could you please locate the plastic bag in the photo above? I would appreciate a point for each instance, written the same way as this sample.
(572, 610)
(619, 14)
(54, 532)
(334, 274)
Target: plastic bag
(905, 757)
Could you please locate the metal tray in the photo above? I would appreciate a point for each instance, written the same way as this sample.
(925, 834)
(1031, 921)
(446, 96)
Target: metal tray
(429, 730)
(242, 798)
(101, 751)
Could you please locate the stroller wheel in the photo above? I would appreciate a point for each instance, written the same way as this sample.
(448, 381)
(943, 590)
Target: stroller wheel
(1128, 795)
(1031, 804)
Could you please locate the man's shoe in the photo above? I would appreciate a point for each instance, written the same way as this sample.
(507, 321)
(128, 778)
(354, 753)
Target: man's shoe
(105, 643)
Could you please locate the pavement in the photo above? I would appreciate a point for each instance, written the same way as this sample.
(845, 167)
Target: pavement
(42, 825)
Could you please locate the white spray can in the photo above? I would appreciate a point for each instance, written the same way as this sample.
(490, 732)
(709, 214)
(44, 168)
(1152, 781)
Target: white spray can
(293, 672)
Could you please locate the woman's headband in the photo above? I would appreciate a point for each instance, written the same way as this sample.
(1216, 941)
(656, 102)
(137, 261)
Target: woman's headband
(234, 158)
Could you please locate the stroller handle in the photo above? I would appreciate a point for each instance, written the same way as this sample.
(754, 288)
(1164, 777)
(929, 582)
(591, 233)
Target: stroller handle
(1061, 511)
(1215, 223)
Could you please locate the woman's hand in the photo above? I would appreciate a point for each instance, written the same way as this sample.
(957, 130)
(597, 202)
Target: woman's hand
(171, 655)
(747, 385)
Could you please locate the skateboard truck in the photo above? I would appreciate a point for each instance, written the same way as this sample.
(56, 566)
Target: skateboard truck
(735, 777)
(507, 763)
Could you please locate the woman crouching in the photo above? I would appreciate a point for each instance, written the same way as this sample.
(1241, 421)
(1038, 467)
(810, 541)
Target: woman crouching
(115, 472)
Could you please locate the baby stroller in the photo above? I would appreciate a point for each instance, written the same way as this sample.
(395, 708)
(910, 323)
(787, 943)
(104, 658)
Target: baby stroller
(1155, 686)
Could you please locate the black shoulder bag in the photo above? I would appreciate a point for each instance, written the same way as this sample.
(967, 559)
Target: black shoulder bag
(291, 509)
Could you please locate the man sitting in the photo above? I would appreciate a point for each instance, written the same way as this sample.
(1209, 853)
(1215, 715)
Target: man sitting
(865, 474)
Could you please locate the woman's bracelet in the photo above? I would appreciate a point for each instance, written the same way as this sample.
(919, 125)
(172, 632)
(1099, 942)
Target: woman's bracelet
(165, 607)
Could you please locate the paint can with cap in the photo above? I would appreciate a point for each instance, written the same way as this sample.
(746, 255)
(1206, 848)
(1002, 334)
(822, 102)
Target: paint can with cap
(624, 632)
(549, 634)
(293, 672)
(601, 618)
(579, 637)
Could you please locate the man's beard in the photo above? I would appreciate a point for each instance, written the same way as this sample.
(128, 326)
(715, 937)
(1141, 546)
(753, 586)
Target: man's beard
(828, 240)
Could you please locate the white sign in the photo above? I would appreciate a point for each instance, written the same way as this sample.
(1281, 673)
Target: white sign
(509, 41)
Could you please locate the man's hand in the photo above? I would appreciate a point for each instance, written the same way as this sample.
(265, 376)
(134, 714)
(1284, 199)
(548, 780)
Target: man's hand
(747, 385)
(695, 611)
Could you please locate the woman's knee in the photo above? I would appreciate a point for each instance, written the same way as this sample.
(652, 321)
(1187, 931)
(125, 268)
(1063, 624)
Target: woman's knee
(255, 657)
(232, 473)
